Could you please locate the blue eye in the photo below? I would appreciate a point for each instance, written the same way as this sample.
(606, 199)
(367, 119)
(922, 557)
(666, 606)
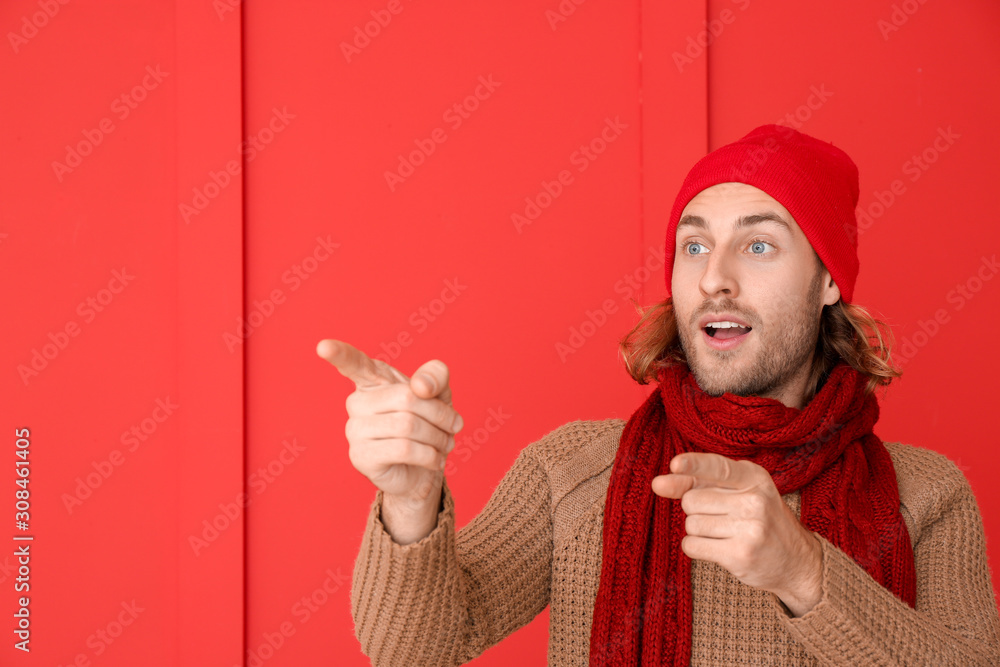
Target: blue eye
(756, 244)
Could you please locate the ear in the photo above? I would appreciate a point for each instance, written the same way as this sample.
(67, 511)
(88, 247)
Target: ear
(830, 292)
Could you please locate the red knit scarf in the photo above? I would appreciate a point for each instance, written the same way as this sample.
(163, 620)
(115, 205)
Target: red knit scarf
(642, 615)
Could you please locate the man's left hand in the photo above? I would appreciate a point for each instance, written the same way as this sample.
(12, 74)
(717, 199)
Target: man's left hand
(737, 518)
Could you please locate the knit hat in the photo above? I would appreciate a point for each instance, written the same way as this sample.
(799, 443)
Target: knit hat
(816, 181)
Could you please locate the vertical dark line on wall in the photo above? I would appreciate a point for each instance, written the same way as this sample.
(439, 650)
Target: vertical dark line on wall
(177, 102)
(642, 176)
(243, 297)
(708, 82)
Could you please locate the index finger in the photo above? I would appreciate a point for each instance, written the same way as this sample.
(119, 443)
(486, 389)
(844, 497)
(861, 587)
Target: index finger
(357, 366)
(711, 469)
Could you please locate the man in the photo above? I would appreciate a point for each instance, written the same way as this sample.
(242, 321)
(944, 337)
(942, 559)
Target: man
(745, 514)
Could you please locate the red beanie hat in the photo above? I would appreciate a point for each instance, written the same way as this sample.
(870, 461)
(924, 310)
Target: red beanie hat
(816, 181)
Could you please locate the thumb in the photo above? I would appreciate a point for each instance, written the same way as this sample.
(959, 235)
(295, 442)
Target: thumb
(432, 380)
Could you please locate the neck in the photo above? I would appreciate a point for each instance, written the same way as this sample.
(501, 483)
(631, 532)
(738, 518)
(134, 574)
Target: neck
(806, 383)
(795, 393)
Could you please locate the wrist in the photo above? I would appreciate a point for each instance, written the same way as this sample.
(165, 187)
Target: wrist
(412, 507)
(809, 591)
(410, 519)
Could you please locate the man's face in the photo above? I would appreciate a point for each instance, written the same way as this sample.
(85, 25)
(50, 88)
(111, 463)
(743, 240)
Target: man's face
(763, 274)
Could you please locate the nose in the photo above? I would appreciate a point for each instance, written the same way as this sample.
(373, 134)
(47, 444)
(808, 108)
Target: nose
(719, 276)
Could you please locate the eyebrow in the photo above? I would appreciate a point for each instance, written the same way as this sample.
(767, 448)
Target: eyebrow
(742, 222)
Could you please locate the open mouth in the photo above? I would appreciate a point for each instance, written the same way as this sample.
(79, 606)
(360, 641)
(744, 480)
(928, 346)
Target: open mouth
(726, 332)
(725, 336)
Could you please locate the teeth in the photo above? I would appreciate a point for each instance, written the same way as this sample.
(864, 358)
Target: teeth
(723, 325)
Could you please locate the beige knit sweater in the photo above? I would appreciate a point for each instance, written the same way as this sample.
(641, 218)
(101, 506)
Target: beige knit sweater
(447, 598)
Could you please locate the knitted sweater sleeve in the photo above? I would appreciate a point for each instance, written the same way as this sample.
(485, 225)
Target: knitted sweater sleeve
(955, 622)
(444, 600)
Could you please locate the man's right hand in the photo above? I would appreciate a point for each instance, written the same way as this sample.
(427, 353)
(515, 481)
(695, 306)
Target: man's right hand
(400, 430)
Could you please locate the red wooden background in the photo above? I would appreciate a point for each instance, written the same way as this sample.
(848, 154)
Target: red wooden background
(194, 194)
